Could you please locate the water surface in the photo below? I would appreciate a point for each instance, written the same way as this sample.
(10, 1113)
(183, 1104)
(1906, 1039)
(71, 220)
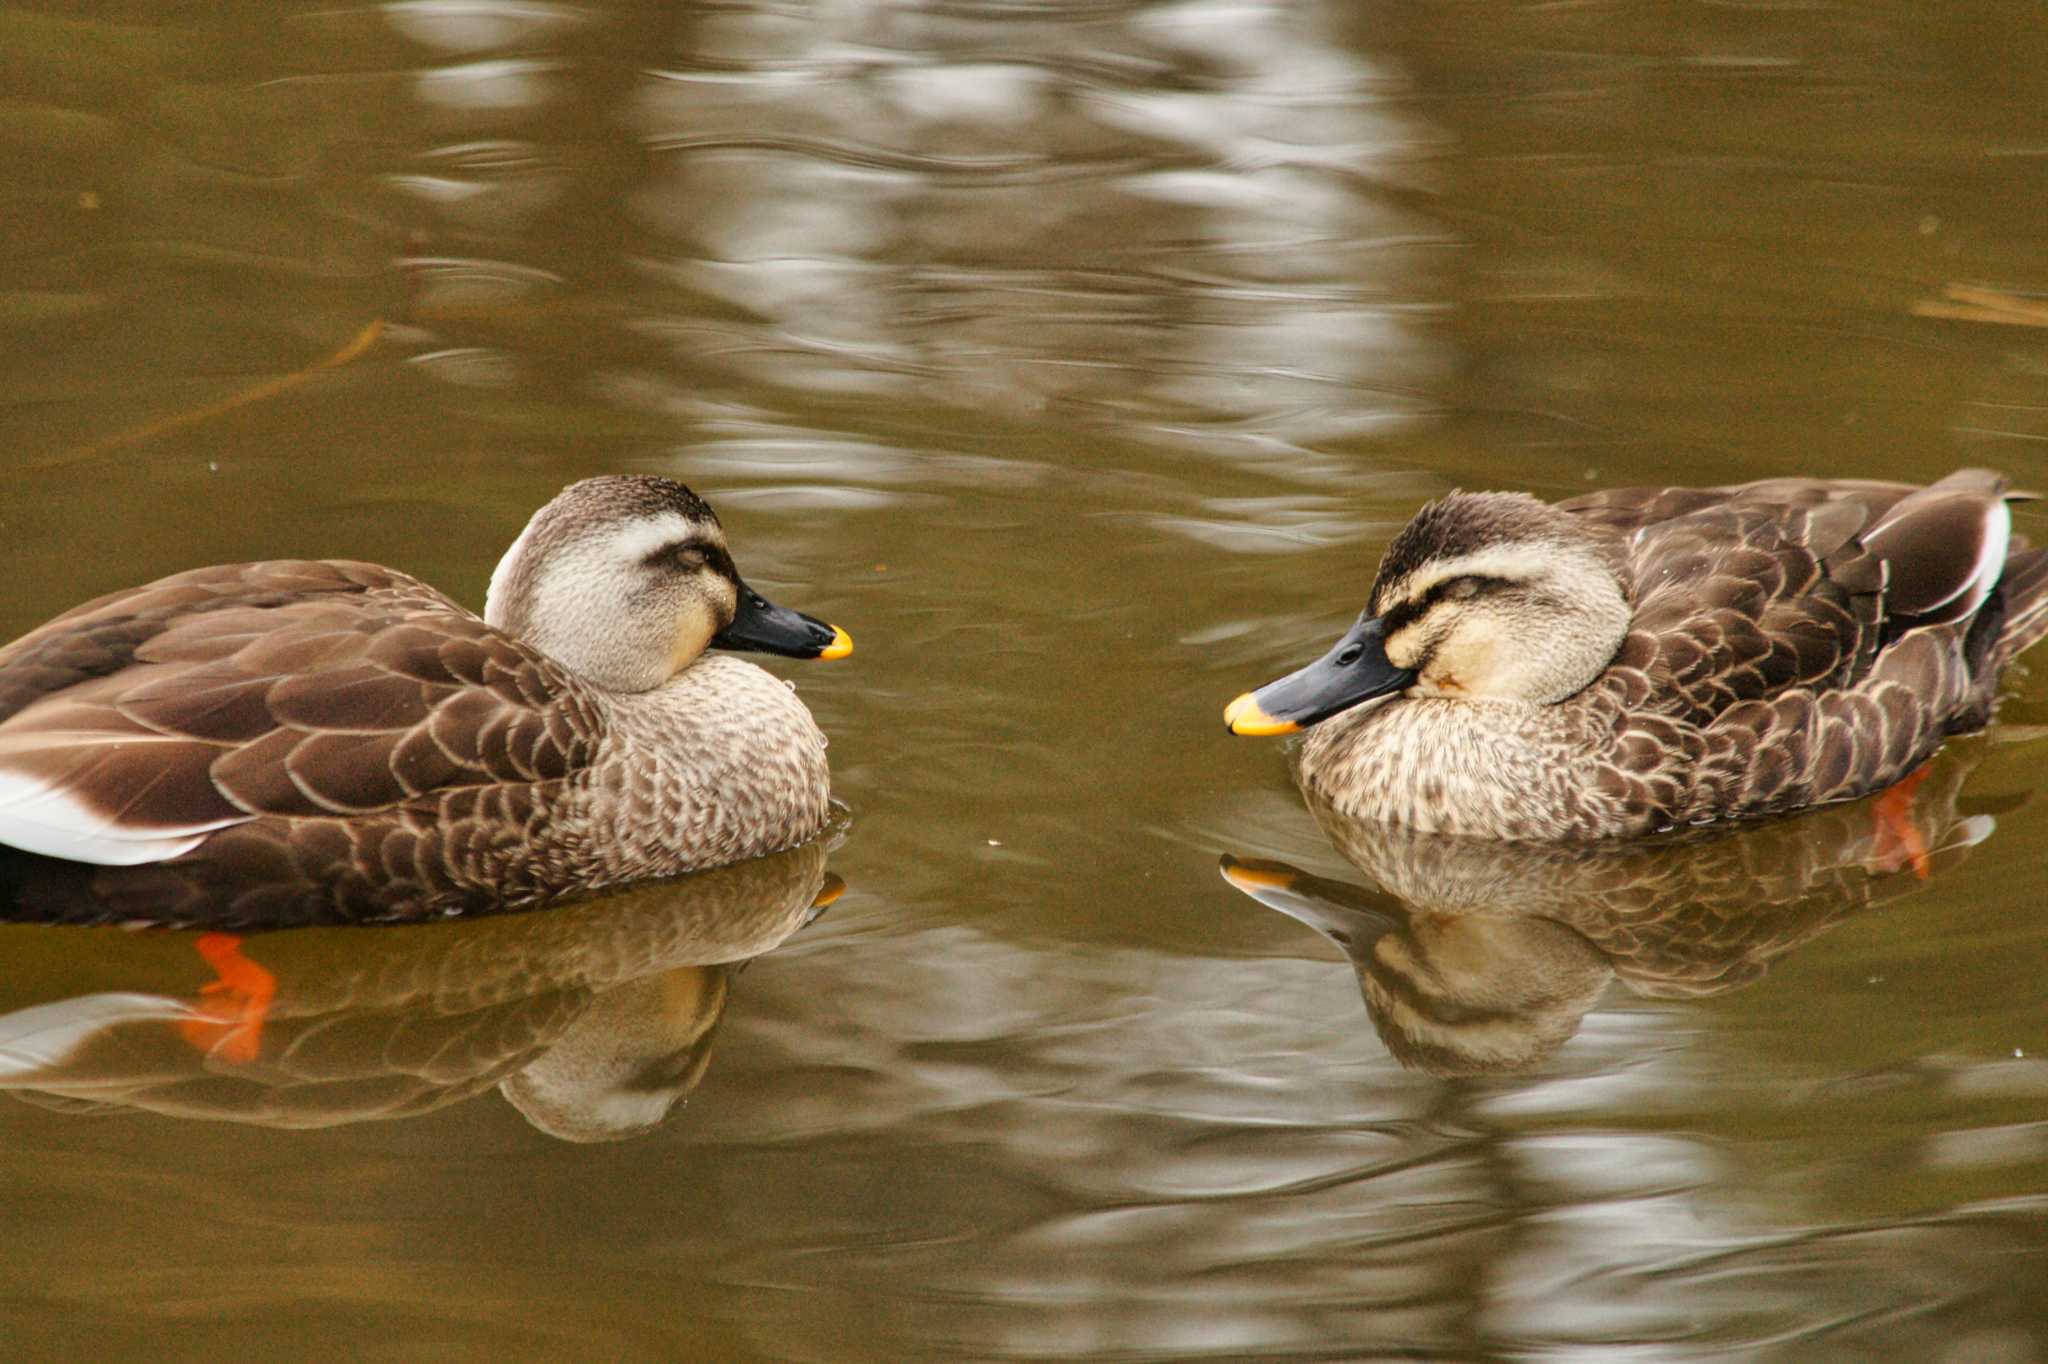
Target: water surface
(1080, 359)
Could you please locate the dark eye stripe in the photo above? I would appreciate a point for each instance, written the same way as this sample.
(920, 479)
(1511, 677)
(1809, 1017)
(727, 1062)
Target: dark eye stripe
(1404, 614)
(1409, 611)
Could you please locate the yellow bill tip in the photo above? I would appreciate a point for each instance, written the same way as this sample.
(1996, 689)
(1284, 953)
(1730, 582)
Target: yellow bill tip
(1243, 716)
(841, 645)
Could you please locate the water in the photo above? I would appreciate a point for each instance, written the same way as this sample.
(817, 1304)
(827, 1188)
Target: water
(1079, 359)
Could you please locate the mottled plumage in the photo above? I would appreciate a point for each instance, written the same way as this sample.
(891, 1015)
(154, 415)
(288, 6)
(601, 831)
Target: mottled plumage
(292, 742)
(1647, 658)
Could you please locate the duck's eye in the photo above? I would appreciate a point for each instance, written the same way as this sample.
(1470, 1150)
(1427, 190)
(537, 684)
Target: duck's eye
(1462, 589)
(686, 557)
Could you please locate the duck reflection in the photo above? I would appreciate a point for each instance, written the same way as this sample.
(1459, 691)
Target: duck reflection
(593, 1019)
(1476, 957)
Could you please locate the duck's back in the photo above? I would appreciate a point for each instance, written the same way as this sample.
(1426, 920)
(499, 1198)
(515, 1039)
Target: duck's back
(281, 742)
(1796, 641)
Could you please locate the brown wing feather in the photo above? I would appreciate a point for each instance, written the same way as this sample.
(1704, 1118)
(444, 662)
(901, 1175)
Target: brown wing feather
(1935, 540)
(1811, 635)
(294, 689)
(109, 633)
(1746, 593)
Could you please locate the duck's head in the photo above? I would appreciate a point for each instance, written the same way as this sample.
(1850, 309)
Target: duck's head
(1483, 595)
(626, 579)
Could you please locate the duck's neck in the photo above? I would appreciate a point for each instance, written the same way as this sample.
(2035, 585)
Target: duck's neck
(720, 763)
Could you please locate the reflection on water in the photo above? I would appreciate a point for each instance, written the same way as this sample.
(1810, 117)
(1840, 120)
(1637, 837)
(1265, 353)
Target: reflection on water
(1481, 958)
(1103, 337)
(1166, 219)
(593, 1020)
(775, 233)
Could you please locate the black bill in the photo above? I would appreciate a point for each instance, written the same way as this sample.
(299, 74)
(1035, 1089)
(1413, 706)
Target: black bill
(1357, 669)
(763, 627)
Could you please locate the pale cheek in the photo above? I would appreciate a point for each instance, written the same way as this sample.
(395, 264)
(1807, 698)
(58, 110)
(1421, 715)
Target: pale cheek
(1463, 666)
(694, 629)
(1491, 664)
(1439, 678)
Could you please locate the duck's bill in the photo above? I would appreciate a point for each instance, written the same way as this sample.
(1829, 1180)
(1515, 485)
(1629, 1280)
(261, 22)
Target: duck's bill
(1356, 670)
(762, 627)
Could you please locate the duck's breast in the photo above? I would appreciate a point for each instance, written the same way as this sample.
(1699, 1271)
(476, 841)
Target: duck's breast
(722, 763)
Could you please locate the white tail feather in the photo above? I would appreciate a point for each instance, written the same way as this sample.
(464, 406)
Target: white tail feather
(1990, 565)
(38, 817)
(1991, 550)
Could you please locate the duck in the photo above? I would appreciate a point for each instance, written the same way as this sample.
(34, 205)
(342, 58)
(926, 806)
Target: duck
(309, 741)
(1641, 660)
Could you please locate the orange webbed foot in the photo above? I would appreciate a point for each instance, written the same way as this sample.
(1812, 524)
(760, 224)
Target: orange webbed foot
(1899, 841)
(232, 1006)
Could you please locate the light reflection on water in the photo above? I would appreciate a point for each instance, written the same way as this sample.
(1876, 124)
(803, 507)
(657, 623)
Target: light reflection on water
(1080, 358)
(1179, 236)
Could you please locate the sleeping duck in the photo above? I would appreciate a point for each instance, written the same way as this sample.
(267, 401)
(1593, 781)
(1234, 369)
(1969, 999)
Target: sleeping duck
(292, 741)
(1640, 659)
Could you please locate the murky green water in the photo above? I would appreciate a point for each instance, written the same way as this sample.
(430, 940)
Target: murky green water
(1079, 358)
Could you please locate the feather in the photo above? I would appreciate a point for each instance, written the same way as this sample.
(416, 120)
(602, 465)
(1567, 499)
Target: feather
(46, 817)
(1945, 546)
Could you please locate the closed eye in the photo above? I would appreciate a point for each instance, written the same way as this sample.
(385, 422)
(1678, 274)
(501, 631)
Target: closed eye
(686, 555)
(1464, 588)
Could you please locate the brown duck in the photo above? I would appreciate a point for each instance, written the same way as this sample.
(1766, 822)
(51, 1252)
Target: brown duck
(293, 742)
(1646, 658)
